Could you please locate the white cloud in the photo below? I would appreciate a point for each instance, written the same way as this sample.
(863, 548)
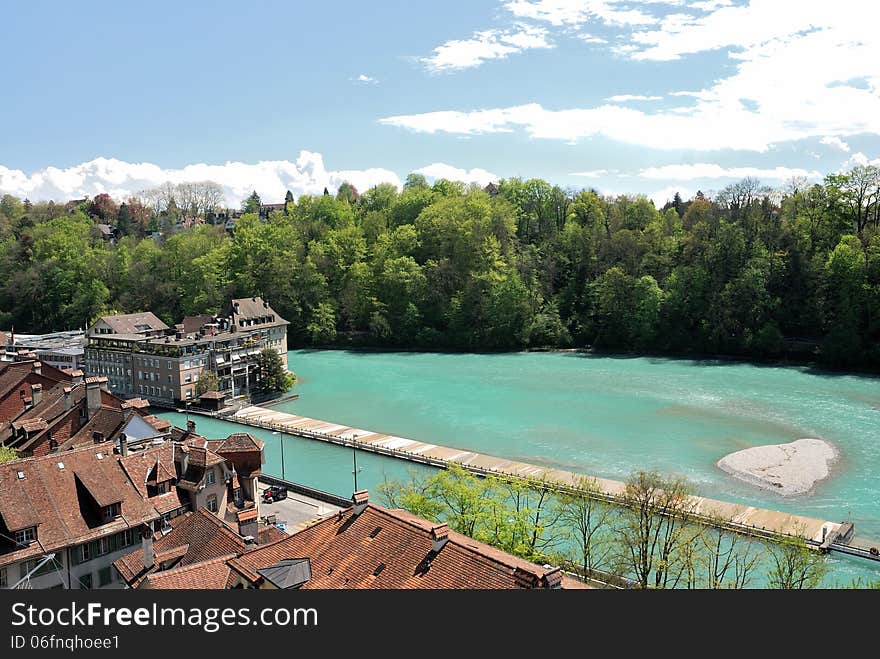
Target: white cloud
(120, 179)
(623, 98)
(802, 69)
(590, 38)
(835, 142)
(440, 170)
(577, 12)
(859, 159)
(713, 171)
(593, 173)
(667, 194)
(364, 79)
(483, 46)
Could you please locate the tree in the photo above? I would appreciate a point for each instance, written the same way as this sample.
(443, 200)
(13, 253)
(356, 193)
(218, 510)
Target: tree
(794, 565)
(207, 382)
(652, 528)
(104, 208)
(587, 522)
(272, 375)
(322, 328)
(347, 193)
(252, 203)
(8, 454)
(414, 180)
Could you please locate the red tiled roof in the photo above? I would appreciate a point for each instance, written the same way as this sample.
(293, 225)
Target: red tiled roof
(204, 535)
(212, 574)
(159, 424)
(48, 495)
(140, 403)
(345, 550)
(240, 441)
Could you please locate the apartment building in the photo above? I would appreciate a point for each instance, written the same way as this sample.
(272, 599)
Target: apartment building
(142, 356)
(65, 518)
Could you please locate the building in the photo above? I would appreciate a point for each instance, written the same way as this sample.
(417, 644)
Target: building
(23, 380)
(58, 349)
(142, 356)
(363, 547)
(65, 518)
(60, 414)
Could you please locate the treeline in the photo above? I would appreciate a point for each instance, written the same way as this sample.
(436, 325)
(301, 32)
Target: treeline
(749, 272)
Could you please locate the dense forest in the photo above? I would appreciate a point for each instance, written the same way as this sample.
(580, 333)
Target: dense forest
(747, 271)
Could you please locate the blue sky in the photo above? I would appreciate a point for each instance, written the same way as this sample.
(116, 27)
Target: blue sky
(640, 96)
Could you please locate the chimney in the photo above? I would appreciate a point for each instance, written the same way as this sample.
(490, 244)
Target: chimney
(360, 499)
(93, 396)
(439, 537)
(38, 367)
(67, 398)
(147, 545)
(191, 427)
(77, 377)
(36, 393)
(123, 444)
(97, 436)
(553, 579)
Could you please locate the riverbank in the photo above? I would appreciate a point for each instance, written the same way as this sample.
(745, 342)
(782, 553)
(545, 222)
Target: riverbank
(787, 361)
(788, 469)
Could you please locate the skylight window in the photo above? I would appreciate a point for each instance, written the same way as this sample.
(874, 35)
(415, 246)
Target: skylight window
(375, 531)
(378, 569)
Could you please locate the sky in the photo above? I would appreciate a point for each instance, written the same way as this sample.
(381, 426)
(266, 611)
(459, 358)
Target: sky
(623, 96)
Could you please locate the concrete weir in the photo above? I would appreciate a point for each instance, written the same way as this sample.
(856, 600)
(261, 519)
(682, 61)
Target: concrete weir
(737, 517)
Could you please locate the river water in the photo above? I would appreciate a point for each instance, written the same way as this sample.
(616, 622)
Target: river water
(603, 416)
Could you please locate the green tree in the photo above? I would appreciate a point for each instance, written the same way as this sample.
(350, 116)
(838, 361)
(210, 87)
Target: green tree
(273, 377)
(7, 454)
(207, 382)
(794, 565)
(252, 203)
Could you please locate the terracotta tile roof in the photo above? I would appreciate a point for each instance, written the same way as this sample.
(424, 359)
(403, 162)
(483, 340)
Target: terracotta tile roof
(213, 395)
(204, 535)
(247, 515)
(73, 372)
(159, 424)
(96, 379)
(346, 551)
(107, 421)
(213, 574)
(31, 425)
(240, 441)
(49, 495)
(128, 323)
(140, 403)
(270, 533)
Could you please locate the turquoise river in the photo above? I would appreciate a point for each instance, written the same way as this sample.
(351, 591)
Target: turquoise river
(598, 415)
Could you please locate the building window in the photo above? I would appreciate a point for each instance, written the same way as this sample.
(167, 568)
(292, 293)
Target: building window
(212, 503)
(85, 553)
(237, 496)
(168, 364)
(103, 546)
(85, 581)
(105, 576)
(110, 512)
(209, 477)
(127, 538)
(169, 379)
(189, 393)
(26, 536)
(3, 583)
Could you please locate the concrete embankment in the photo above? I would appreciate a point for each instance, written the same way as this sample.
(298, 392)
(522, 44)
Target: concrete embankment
(738, 517)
